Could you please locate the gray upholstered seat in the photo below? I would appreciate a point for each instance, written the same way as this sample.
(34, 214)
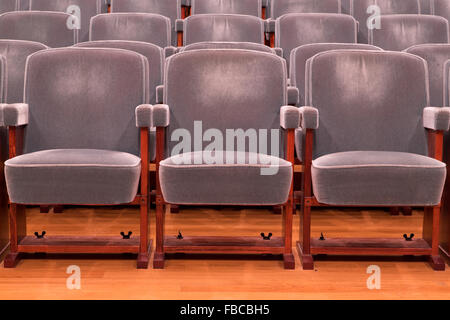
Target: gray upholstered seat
(78, 176)
(9, 5)
(223, 27)
(360, 12)
(3, 87)
(440, 8)
(436, 56)
(167, 8)
(401, 31)
(226, 183)
(249, 7)
(378, 177)
(425, 6)
(301, 54)
(296, 29)
(85, 9)
(16, 53)
(49, 28)
(81, 143)
(373, 104)
(145, 27)
(281, 7)
(212, 86)
(228, 45)
(155, 57)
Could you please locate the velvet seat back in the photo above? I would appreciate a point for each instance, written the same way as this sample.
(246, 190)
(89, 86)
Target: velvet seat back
(8, 6)
(280, 7)
(228, 45)
(225, 89)
(49, 28)
(88, 9)
(16, 53)
(84, 98)
(368, 101)
(436, 56)
(145, 27)
(440, 8)
(400, 32)
(167, 8)
(296, 29)
(223, 27)
(360, 7)
(301, 54)
(153, 53)
(249, 7)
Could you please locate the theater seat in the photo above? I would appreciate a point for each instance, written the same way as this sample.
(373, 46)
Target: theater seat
(145, 27)
(84, 9)
(248, 7)
(280, 7)
(378, 177)
(9, 5)
(296, 29)
(49, 28)
(226, 183)
(362, 10)
(399, 32)
(167, 8)
(221, 27)
(96, 176)
(231, 45)
(16, 53)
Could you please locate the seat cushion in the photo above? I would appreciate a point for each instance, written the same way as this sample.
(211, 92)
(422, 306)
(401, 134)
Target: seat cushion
(245, 179)
(378, 178)
(73, 176)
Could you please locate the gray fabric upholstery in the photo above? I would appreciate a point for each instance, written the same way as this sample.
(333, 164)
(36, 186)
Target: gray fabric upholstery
(167, 8)
(346, 6)
(301, 54)
(16, 53)
(88, 9)
(368, 148)
(447, 83)
(425, 6)
(280, 7)
(440, 8)
(399, 32)
(160, 115)
(3, 79)
(292, 96)
(8, 5)
(93, 108)
(49, 28)
(227, 183)
(73, 176)
(145, 27)
(315, 28)
(144, 116)
(309, 117)
(377, 108)
(387, 7)
(169, 51)
(436, 118)
(289, 117)
(223, 27)
(248, 7)
(299, 143)
(160, 94)
(436, 55)
(153, 53)
(227, 45)
(378, 178)
(225, 89)
(15, 114)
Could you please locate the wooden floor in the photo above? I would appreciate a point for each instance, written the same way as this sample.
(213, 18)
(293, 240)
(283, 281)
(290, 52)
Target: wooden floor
(117, 278)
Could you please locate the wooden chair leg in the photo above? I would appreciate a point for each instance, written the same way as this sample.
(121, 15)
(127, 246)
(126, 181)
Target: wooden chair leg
(18, 230)
(288, 257)
(431, 235)
(395, 211)
(158, 258)
(144, 245)
(174, 208)
(44, 209)
(304, 245)
(58, 209)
